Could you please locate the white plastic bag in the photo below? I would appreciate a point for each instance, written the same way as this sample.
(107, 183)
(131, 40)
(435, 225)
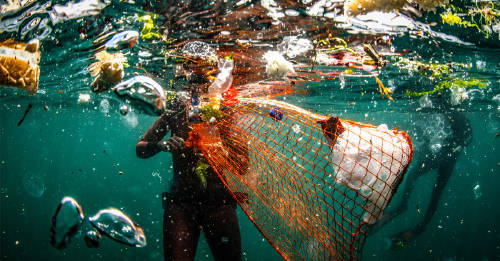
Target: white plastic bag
(224, 79)
(370, 161)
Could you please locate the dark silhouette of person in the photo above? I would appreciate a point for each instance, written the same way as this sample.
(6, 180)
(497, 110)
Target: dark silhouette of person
(455, 133)
(193, 204)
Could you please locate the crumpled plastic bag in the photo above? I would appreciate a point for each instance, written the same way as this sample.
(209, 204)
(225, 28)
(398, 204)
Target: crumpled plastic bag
(224, 79)
(370, 161)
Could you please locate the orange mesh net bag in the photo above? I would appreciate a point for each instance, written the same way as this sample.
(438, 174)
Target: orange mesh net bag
(311, 184)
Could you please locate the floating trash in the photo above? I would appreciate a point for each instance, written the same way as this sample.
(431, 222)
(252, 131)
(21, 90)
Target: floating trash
(144, 93)
(119, 227)
(66, 222)
(276, 113)
(122, 40)
(124, 110)
(107, 70)
(19, 65)
(92, 239)
(198, 49)
(33, 185)
(292, 46)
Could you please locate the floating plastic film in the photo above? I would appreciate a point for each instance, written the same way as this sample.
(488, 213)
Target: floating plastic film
(311, 184)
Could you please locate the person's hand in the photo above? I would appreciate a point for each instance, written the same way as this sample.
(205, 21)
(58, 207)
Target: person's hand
(173, 144)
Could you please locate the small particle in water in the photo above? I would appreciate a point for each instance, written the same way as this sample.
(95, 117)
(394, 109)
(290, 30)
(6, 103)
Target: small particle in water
(59, 91)
(46, 107)
(296, 128)
(17, 242)
(352, 103)
(124, 110)
(120, 172)
(92, 239)
(25, 113)
(477, 191)
(3, 162)
(83, 98)
(224, 239)
(439, 226)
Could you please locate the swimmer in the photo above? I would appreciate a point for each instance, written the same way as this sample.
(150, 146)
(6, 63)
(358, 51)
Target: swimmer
(198, 200)
(441, 158)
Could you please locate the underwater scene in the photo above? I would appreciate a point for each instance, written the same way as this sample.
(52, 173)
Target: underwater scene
(249, 130)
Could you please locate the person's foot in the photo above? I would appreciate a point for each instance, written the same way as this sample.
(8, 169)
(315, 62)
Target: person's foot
(401, 239)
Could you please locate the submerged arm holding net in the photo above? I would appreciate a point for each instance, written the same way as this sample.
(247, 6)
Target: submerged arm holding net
(314, 183)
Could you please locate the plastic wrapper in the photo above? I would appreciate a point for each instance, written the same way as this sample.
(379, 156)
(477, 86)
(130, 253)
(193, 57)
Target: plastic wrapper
(224, 79)
(119, 227)
(19, 65)
(370, 161)
(66, 222)
(277, 66)
(144, 93)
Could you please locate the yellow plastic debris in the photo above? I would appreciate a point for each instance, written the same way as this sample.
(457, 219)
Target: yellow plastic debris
(108, 69)
(19, 65)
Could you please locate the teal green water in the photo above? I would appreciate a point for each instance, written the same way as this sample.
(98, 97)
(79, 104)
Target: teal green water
(79, 149)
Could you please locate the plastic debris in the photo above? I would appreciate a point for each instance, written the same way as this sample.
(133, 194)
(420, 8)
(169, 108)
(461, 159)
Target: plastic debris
(119, 227)
(366, 160)
(224, 79)
(292, 46)
(66, 222)
(355, 7)
(123, 39)
(108, 69)
(19, 65)
(124, 110)
(76, 9)
(198, 49)
(83, 98)
(143, 92)
(276, 113)
(277, 66)
(92, 239)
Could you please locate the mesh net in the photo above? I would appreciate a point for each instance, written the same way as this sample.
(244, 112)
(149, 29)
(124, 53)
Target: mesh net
(311, 184)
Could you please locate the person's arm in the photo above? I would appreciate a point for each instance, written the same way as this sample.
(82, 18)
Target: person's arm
(148, 145)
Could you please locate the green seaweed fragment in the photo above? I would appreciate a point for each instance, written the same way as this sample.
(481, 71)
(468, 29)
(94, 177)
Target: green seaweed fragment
(208, 112)
(444, 85)
(201, 172)
(149, 30)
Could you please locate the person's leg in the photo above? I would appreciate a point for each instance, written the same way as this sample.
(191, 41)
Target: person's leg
(180, 233)
(222, 232)
(406, 236)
